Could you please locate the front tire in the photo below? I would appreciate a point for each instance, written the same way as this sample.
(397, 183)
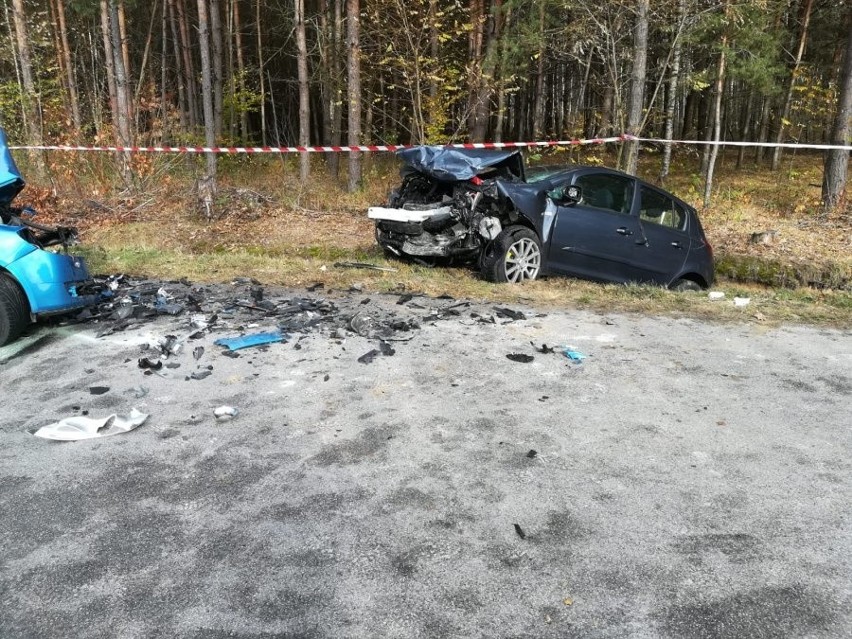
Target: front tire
(14, 310)
(514, 256)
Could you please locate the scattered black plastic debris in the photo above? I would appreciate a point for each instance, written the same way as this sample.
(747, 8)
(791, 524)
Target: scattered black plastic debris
(231, 354)
(152, 364)
(326, 378)
(200, 374)
(508, 313)
(315, 287)
(364, 265)
(520, 531)
(532, 454)
(544, 348)
(403, 299)
(98, 390)
(173, 365)
(367, 300)
(543, 398)
(369, 356)
(386, 349)
(521, 358)
(197, 352)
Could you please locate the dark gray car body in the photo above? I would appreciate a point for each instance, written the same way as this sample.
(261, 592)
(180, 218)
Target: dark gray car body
(618, 240)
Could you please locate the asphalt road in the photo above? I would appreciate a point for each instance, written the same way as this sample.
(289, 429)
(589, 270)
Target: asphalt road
(689, 480)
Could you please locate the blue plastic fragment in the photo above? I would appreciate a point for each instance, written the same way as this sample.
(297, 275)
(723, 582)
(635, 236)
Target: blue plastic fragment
(574, 356)
(255, 339)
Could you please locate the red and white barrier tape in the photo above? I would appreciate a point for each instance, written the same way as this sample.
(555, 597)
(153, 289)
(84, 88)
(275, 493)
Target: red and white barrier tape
(397, 147)
(307, 149)
(782, 145)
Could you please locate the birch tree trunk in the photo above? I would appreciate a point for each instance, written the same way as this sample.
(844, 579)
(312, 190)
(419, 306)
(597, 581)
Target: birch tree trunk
(837, 161)
(674, 80)
(717, 121)
(637, 86)
(353, 59)
(304, 90)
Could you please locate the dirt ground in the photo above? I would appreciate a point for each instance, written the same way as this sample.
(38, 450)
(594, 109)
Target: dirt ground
(686, 479)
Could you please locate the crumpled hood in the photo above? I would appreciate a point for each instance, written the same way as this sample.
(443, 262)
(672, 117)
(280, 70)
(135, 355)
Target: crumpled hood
(449, 164)
(11, 181)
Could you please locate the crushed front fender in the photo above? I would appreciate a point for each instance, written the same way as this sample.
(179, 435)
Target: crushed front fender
(52, 282)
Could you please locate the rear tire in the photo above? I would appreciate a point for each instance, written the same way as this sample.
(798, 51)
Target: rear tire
(14, 310)
(685, 285)
(514, 256)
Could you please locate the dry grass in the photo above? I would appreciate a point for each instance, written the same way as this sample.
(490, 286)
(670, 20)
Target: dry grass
(272, 228)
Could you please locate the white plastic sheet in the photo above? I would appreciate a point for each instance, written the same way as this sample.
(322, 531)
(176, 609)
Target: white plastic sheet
(79, 427)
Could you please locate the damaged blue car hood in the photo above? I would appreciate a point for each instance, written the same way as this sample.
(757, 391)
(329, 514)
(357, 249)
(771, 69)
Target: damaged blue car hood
(449, 164)
(11, 181)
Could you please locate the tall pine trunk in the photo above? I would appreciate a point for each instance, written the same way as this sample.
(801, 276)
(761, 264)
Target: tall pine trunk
(304, 90)
(353, 61)
(209, 187)
(837, 160)
(630, 158)
(29, 93)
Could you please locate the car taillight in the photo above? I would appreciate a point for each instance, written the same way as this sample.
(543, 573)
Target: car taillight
(476, 180)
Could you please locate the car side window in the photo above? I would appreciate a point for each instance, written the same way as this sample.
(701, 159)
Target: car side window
(660, 209)
(612, 193)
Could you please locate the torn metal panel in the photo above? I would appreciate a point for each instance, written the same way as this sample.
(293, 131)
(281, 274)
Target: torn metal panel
(79, 427)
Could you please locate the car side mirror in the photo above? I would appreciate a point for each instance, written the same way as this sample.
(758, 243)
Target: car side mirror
(567, 195)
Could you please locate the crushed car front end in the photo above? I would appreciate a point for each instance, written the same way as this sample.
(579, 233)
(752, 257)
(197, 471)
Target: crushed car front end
(448, 204)
(38, 277)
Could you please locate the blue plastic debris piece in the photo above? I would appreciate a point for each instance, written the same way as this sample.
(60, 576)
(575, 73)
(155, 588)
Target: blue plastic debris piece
(575, 356)
(255, 339)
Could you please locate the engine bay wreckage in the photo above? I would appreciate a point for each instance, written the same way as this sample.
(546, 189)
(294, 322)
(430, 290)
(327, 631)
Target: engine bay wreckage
(453, 202)
(38, 277)
(518, 223)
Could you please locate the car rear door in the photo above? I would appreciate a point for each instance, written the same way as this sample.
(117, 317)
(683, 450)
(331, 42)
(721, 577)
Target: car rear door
(664, 229)
(596, 238)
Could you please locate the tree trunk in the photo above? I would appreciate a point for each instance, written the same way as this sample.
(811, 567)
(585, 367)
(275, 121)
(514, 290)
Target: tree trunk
(674, 80)
(121, 84)
(29, 93)
(260, 71)
(717, 120)
(70, 75)
(188, 66)
(538, 112)
(183, 102)
(637, 86)
(763, 134)
(241, 68)
(218, 69)
(837, 161)
(207, 101)
(788, 98)
(746, 128)
(304, 90)
(353, 60)
(124, 47)
(109, 58)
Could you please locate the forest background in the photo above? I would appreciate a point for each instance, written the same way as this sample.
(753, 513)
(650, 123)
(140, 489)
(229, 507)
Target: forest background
(334, 72)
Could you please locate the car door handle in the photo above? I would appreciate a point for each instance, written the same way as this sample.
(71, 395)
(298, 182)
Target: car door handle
(623, 230)
(677, 245)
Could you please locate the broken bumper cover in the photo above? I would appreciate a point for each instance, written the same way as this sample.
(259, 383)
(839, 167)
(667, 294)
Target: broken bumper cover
(54, 283)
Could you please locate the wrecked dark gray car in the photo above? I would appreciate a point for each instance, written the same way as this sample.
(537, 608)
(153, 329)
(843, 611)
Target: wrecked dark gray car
(519, 223)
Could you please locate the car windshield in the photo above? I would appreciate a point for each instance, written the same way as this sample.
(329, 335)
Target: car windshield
(539, 173)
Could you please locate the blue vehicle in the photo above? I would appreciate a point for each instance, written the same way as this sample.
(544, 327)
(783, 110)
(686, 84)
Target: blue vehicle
(34, 282)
